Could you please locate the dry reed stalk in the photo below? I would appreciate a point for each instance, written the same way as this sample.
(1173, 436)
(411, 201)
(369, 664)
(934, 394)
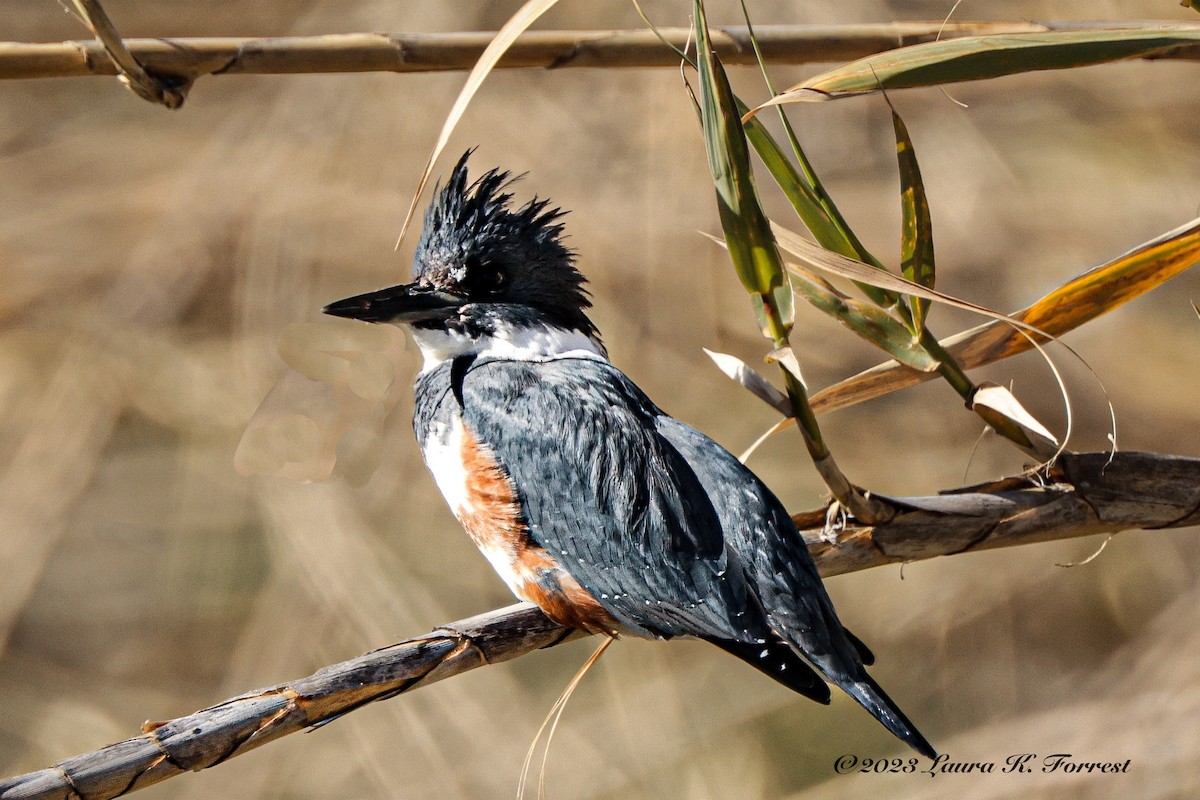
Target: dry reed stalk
(184, 60)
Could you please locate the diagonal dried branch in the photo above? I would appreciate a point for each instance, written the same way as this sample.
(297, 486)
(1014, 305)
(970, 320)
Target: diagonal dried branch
(1084, 494)
(185, 60)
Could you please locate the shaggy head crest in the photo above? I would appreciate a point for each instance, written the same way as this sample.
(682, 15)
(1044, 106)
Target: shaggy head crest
(475, 241)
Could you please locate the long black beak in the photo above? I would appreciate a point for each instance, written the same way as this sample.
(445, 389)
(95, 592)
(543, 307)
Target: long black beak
(411, 302)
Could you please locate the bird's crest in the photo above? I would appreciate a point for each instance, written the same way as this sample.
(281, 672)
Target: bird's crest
(465, 215)
(472, 229)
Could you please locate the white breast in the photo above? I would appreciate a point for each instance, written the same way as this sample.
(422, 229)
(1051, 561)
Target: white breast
(485, 502)
(443, 455)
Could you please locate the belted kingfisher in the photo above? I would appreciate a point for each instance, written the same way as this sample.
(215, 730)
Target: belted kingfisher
(589, 500)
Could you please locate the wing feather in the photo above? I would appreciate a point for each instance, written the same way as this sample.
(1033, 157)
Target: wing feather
(761, 534)
(660, 524)
(603, 491)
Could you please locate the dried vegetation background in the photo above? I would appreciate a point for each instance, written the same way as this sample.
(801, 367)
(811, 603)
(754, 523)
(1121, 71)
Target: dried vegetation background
(151, 260)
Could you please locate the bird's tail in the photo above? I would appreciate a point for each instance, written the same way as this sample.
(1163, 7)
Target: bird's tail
(868, 693)
(780, 661)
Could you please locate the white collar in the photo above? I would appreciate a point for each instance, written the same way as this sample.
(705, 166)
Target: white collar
(512, 343)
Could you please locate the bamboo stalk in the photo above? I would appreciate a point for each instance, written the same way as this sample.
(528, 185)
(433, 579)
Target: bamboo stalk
(190, 58)
(1086, 494)
(170, 93)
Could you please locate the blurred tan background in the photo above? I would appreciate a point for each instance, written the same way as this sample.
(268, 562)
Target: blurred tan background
(151, 261)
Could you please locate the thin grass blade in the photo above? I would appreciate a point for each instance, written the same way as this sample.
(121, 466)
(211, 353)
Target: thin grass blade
(508, 33)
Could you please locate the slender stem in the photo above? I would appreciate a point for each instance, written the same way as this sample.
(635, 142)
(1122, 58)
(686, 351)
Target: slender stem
(869, 510)
(948, 368)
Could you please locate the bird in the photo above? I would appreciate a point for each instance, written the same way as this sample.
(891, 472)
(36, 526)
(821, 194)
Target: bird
(589, 500)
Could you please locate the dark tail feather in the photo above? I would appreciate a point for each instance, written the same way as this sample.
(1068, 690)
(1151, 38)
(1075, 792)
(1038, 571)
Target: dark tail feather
(781, 663)
(867, 692)
(864, 653)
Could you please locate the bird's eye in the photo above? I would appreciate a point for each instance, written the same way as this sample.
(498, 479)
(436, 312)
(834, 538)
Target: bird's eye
(483, 276)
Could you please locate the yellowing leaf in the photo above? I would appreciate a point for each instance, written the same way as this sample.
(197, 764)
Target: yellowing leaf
(916, 234)
(1081, 299)
(824, 260)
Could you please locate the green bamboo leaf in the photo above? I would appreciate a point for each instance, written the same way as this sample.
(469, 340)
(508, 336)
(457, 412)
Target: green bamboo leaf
(797, 190)
(980, 57)
(819, 213)
(747, 232)
(809, 198)
(815, 209)
(916, 232)
(868, 321)
(1079, 300)
(812, 203)
(868, 274)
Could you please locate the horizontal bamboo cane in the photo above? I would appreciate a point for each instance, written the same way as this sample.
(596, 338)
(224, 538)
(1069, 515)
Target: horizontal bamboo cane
(188, 59)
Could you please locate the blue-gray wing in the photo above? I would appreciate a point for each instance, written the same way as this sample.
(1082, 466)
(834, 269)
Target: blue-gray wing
(661, 525)
(608, 496)
(762, 536)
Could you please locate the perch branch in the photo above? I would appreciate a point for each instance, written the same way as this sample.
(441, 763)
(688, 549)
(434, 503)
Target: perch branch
(1085, 494)
(185, 60)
